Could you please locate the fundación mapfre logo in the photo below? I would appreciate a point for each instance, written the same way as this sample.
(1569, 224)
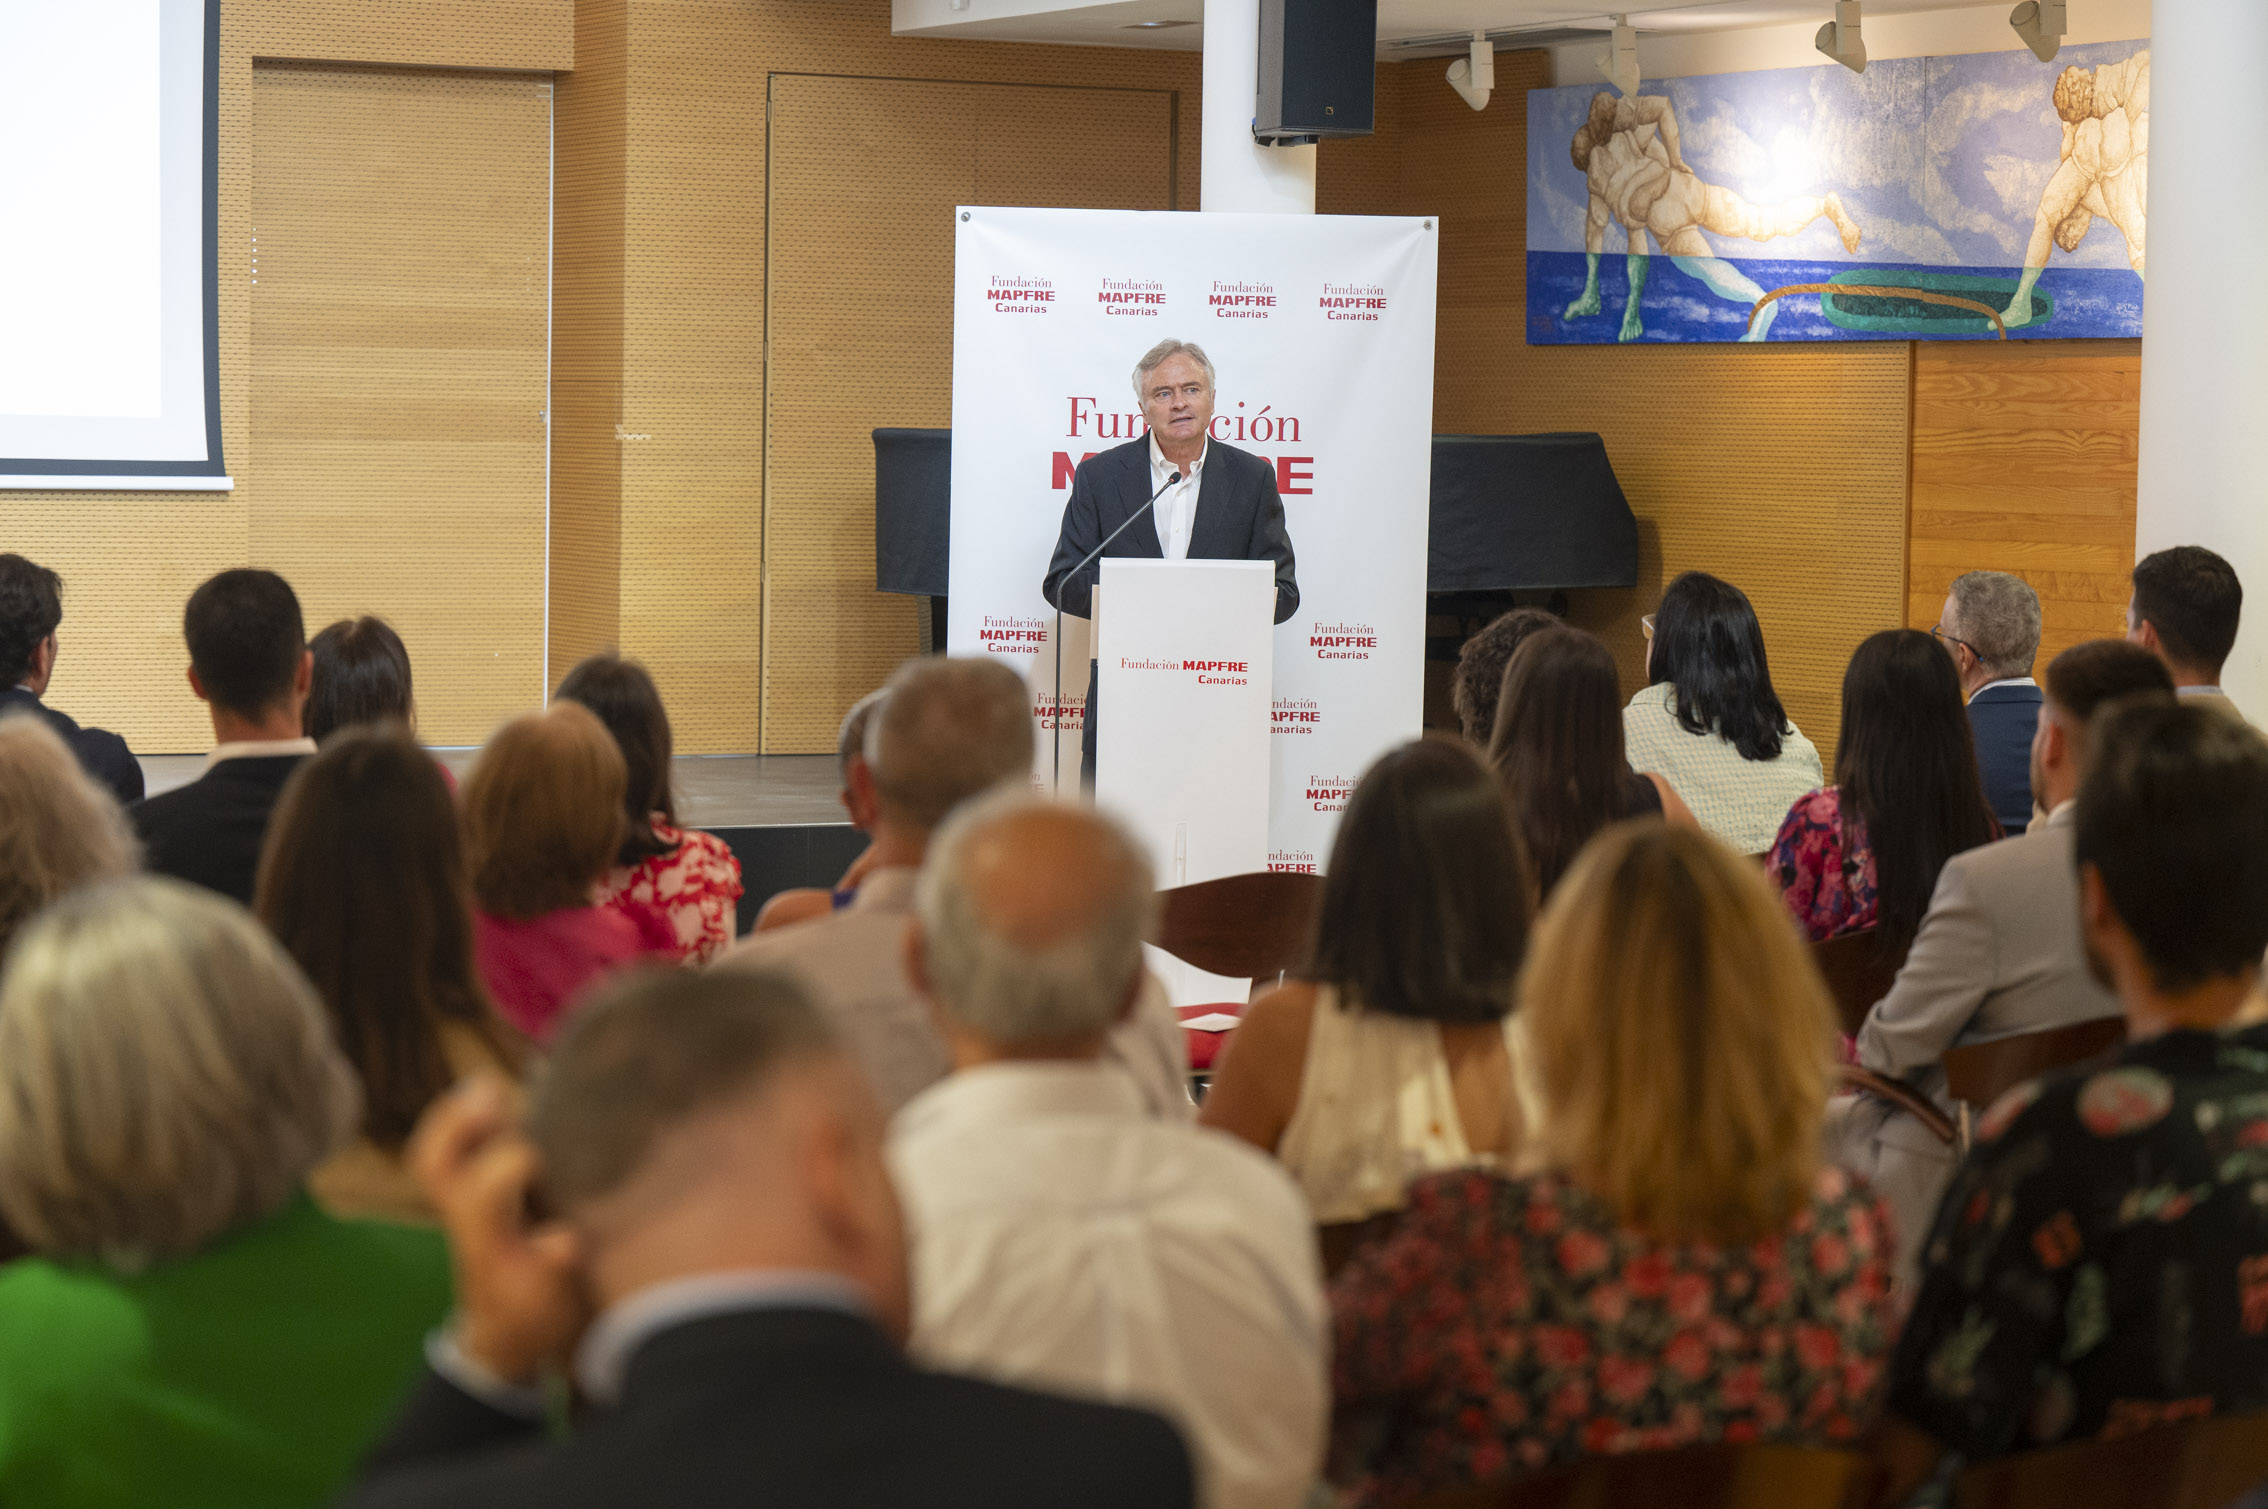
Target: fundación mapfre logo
(1292, 861)
(1007, 634)
(1207, 672)
(1352, 301)
(1295, 715)
(1239, 300)
(1328, 793)
(1342, 641)
(1069, 713)
(1020, 295)
(1136, 298)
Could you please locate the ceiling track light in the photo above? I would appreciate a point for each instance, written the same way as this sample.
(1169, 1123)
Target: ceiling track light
(1840, 38)
(1474, 74)
(1619, 64)
(2040, 23)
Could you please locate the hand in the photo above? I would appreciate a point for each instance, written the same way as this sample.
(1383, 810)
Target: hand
(521, 1298)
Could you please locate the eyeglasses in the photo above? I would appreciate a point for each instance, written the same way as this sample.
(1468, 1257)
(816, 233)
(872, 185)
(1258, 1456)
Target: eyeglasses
(1937, 632)
(1646, 622)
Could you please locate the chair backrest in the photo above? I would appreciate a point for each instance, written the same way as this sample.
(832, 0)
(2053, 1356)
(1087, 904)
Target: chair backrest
(1858, 970)
(1252, 925)
(2196, 1464)
(1695, 1477)
(1980, 1073)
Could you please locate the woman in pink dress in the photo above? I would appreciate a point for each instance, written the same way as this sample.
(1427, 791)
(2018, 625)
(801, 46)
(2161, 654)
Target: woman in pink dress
(685, 878)
(543, 820)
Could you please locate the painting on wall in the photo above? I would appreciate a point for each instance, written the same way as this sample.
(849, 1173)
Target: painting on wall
(1983, 197)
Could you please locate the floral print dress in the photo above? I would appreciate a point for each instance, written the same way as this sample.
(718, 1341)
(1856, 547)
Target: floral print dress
(1508, 1324)
(692, 893)
(2100, 1261)
(1828, 883)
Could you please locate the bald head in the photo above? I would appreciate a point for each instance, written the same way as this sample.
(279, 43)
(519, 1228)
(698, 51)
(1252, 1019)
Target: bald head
(947, 730)
(1032, 915)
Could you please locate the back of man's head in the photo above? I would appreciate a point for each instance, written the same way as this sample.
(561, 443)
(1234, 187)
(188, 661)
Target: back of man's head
(2193, 599)
(950, 729)
(2173, 815)
(246, 640)
(2096, 672)
(1032, 917)
(31, 605)
(1998, 616)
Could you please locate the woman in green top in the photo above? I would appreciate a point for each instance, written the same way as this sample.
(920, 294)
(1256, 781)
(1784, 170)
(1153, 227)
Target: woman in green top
(191, 1331)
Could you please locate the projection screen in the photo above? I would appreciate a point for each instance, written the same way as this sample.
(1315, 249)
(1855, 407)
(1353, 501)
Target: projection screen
(109, 294)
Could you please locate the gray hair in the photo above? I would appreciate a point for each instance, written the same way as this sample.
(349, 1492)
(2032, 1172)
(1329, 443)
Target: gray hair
(1016, 992)
(850, 739)
(58, 829)
(1998, 616)
(1163, 350)
(166, 1074)
(952, 728)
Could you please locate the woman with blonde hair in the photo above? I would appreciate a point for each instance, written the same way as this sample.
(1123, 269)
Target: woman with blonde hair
(1682, 1269)
(543, 819)
(58, 829)
(193, 1330)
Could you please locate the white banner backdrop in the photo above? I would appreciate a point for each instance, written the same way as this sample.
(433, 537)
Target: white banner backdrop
(1321, 330)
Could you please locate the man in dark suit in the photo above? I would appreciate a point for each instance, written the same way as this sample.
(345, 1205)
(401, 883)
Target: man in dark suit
(1991, 627)
(1223, 507)
(708, 1163)
(248, 661)
(31, 605)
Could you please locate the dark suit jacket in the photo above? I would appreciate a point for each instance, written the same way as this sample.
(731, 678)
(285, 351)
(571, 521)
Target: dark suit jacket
(802, 1409)
(1240, 517)
(209, 832)
(2003, 719)
(102, 754)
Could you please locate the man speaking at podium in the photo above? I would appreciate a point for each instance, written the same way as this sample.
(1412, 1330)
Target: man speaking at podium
(1206, 502)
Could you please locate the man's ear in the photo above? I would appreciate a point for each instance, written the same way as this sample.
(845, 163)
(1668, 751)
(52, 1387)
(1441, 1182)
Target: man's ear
(303, 680)
(2146, 635)
(2095, 912)
(197, 685)
(858, 783)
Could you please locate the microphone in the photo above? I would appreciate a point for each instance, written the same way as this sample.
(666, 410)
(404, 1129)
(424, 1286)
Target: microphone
(1068, 576)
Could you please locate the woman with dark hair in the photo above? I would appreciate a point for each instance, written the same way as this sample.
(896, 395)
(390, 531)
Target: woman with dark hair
(1709, 719)
(1558, 748)
(685, 876)
(361, 675)
(1395, 1052)
(1865, 851)
(363, 882)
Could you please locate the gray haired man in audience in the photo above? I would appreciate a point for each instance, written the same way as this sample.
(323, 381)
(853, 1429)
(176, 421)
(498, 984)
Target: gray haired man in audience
(948, 730)
(1991, 628)
(1062, 1237)
(698, 1214)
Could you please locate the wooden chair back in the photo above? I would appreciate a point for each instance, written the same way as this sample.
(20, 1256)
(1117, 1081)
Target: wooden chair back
(1252, 925)
(2196, 1464)
(1698, 1477)
(1978, 1074)
(1858, 971)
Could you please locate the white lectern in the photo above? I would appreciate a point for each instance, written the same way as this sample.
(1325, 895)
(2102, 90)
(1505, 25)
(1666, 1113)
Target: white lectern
(1185, 657)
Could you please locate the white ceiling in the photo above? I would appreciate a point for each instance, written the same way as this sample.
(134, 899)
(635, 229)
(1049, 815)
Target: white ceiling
(1117, 23)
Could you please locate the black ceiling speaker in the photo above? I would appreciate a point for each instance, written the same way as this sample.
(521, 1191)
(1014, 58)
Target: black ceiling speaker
(1317, 70)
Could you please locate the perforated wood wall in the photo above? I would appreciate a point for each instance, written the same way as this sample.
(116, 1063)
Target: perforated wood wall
(2024, 459)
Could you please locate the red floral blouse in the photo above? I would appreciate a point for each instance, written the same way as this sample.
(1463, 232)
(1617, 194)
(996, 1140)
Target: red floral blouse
(1506, 1325)
(1827, 883)
(694, 889)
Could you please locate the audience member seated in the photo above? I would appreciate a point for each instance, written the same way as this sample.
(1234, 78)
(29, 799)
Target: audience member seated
(1711, 722)
(1394, 1050)
(949, 729)
(59, 830)
(803, 903)
(1062, 1237)
(31, 605)
(1865, 851)
(1558, 746)
(1997, 953)
(1990, 625)
(248, 661)
(2097, 1265)
(2184, 610)
(686, 876)
(542, 823)
(1479, 677)
(193, 1331)
(711, 1172)
(1682, 1270)
(360, 674)
(364, 884)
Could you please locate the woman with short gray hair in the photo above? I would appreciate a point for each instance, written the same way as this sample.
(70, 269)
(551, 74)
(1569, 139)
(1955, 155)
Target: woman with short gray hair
(192, 1329)
(58, 829)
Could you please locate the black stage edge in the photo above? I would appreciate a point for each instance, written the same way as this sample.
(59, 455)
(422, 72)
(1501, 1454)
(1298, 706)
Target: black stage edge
(785, 857)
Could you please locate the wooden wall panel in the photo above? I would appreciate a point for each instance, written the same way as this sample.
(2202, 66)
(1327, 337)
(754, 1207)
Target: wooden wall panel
(2024, 460)
(399, 367)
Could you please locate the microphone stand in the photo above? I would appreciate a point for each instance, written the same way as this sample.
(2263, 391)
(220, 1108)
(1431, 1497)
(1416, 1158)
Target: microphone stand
(1057, 731)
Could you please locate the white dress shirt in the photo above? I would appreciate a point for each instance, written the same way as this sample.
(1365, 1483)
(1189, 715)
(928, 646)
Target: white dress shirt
(1176, 513)
(258, 749)
(1064, 1240)
(2003, 681)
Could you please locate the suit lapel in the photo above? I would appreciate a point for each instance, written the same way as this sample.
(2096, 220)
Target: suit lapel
(1133, 492)
(1212, 507)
